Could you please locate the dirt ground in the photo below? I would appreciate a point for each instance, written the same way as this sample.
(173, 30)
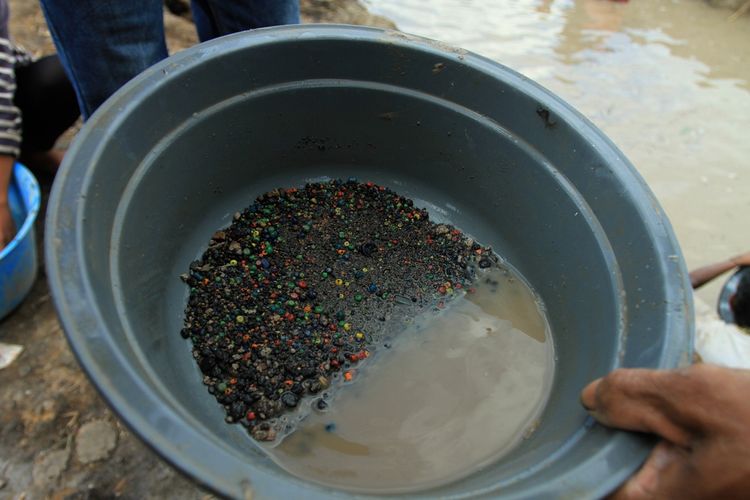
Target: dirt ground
(58, 439)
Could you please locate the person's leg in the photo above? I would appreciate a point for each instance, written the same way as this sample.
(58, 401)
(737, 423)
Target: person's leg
(104, 43)
(221, 17)
(204, 20)
(47, 102)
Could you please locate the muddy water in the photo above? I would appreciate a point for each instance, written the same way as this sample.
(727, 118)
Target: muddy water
(456, 389)
(667, 80)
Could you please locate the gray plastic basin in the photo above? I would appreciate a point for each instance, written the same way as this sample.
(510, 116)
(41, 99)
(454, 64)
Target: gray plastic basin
(170, 158)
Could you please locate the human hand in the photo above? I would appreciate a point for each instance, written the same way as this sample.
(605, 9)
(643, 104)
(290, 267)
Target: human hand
(702, 275)
(701, 414)
(741, 260)
(7, 226)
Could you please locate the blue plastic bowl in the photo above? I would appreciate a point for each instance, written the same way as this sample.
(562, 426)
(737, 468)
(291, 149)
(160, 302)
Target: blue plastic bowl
(18, 262)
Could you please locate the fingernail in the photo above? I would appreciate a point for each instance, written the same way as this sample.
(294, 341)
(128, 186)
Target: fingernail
(588, 395)
(598, 417)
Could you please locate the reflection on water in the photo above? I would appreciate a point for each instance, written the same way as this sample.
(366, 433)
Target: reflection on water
(667, 80)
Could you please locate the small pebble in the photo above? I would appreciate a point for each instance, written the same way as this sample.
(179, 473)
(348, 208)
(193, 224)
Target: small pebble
(368, 249)
(289, 399)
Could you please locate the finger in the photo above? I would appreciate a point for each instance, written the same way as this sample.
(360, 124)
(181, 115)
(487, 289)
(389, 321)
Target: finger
(659, 477)
(639, 400)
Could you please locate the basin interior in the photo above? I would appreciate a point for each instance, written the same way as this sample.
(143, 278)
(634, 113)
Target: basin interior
(465, 170)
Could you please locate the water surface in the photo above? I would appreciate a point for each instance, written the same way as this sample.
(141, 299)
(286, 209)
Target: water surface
(454, 391)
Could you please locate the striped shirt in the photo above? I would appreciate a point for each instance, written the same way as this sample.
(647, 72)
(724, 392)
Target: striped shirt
(10, 115)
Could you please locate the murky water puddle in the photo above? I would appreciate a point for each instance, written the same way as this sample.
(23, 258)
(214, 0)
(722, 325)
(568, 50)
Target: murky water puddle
(455, 390)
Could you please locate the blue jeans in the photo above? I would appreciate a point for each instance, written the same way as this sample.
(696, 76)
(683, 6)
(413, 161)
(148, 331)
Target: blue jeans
(104, 43)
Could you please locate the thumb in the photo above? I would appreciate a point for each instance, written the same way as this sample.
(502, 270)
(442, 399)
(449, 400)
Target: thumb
(659, 477)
